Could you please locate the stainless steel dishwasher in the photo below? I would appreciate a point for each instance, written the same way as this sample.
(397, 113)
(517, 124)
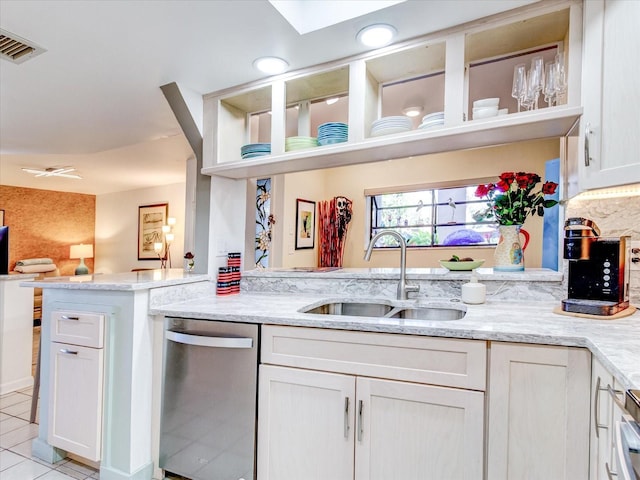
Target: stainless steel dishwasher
(208, 424)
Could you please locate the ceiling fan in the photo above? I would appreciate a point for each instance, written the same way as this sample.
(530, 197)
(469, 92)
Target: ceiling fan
(53, 172)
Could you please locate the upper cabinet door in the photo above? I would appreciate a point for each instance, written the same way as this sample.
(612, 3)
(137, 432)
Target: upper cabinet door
(611, 95)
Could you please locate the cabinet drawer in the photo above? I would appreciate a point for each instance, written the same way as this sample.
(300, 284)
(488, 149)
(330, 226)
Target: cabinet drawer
(438, 361)
(78, 328)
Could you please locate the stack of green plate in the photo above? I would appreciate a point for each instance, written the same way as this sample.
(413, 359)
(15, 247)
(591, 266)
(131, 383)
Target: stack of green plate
(298, 143)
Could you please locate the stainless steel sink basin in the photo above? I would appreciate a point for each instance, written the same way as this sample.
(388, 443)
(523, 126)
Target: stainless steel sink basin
(355, 309)
(387, 309)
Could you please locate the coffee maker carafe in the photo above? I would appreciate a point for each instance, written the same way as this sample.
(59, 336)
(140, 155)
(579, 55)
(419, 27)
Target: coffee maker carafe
(598, 269)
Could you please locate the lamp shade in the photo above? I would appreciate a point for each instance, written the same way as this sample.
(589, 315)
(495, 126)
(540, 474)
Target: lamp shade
(81, 251)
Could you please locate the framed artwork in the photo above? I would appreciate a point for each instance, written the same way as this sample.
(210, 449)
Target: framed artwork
(1, 218)
(151, 218)
(305, 224)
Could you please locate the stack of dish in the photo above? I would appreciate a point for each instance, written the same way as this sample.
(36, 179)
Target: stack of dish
(255, 150)
(487, 107)
(432, 120)
(332, 132)
(298, 143)
(389, 125)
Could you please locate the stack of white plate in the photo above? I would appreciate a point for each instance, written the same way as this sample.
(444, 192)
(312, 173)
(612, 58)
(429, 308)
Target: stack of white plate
(299, 143)
(485, 108)
(332, 132)
(389, 125)
(432, 120)
(255, 150)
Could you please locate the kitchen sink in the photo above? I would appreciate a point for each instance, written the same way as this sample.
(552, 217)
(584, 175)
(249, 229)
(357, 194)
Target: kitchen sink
(387, 309)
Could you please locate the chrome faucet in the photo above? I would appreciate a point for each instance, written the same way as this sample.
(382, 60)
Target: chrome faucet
(403, 288)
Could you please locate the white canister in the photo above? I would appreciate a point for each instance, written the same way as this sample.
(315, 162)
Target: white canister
(473, 292)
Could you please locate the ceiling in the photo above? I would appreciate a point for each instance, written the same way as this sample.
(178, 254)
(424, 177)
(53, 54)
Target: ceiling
(92, 100)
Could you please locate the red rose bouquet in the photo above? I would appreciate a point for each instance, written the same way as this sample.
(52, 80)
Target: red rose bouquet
(512, 199)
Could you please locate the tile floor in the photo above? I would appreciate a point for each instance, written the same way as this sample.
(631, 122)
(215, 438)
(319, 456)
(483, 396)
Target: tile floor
(16, 435)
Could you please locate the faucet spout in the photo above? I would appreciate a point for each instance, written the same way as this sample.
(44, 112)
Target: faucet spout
(403, 287)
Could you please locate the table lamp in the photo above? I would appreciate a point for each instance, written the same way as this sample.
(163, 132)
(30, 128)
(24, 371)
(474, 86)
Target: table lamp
(81, 251)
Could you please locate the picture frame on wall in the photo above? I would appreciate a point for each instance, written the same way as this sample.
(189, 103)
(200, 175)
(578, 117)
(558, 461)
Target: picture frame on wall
(305, 224)
(151, 218)
(1, 218)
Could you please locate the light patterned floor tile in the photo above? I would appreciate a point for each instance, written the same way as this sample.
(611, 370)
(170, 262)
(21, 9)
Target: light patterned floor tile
(22, 434)
(18, 408)
(11, 423)
(55, 475)
(11, 399)
(25, 470)
(23, 449)
(71, 472)
(79, 467)
(4, 416)
(9, 459)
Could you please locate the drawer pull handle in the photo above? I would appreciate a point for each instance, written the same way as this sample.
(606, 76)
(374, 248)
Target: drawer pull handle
(596, 409)
(346, 417)
(68, 352)
(67, 317)
(587, 153)
(360, 421)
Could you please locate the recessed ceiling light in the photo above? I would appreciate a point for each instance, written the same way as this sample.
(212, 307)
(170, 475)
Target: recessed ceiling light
(412, 111)
(377, 35)
(270, 65)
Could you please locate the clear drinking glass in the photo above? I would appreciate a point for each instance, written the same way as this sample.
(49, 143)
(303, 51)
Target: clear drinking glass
(519, 88)
(536, 79)
(550, 77)
(561, 78)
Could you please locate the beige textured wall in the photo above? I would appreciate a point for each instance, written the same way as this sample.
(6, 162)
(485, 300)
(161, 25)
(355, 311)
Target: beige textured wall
(352, 181)
(45, 223)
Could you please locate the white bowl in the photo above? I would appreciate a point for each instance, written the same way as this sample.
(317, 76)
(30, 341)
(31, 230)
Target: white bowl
(486, 102)
(485, 109)
(484, 113)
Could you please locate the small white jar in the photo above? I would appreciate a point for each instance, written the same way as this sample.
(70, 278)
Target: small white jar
(474, 292)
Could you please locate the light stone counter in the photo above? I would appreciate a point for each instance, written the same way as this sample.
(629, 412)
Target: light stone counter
(616, 343)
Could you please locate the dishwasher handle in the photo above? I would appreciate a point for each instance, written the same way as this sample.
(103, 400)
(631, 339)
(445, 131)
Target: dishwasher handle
(204, 341)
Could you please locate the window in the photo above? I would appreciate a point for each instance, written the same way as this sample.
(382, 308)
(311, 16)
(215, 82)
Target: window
(433, 217)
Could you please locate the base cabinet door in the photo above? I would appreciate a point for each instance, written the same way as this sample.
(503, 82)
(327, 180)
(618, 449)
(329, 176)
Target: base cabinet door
(418, 432)
(326, 426)
(601, 423)
(75, 407)
(305, 424)
(539, 411)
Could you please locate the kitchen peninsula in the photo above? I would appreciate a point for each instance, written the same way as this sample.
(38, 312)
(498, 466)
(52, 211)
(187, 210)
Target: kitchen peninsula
(518, 315)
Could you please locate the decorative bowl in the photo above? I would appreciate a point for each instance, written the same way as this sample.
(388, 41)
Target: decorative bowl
(461, 266)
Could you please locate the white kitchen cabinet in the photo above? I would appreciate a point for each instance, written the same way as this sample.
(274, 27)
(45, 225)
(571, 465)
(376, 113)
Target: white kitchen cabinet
(305, 424)
(308, 422)
(601, 417)
(538, 415)
(322, 415)
(611, 97)
(241, 115)
(76, 372)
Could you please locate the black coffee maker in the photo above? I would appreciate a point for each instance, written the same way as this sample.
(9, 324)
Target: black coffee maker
(598, 269)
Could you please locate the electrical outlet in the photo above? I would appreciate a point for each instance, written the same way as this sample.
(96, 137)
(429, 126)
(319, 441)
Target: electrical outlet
(634, 260)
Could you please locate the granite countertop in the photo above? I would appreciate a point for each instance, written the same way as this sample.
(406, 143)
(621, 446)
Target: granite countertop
(615, 343)
(141, 280)
(19, 276)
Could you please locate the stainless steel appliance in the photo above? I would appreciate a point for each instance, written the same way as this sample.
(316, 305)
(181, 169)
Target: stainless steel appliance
(208, 424)
(598, 269)
(626, 436)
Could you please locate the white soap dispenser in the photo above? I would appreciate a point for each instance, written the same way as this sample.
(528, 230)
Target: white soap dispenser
(473, 292)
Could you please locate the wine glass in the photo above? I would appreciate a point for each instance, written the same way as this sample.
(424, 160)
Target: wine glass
(561, 78)
(536, 79)
(550, 80)
(519, 88)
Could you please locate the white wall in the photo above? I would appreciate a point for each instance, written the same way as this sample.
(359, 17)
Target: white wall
(116, 236)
